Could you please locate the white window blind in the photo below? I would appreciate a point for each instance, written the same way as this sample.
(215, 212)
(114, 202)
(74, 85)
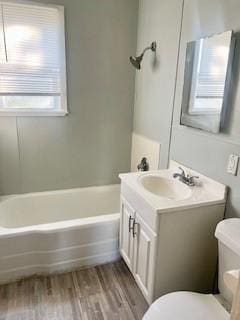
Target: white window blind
(210, 70)
(32, 58)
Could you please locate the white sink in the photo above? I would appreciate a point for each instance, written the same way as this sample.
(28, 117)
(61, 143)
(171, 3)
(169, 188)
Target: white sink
(163, 193)
(165, 188)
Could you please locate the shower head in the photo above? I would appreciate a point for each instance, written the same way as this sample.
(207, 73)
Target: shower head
(136, 61)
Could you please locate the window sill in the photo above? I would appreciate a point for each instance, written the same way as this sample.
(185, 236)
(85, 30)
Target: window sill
(33, 113)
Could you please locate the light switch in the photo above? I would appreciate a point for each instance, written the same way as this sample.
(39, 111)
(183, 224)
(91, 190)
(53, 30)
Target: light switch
(232, 164)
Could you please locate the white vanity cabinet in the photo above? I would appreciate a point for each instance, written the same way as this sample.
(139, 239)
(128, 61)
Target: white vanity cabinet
(137, 247)
(144, 256)
(169, 245)
(126, 234)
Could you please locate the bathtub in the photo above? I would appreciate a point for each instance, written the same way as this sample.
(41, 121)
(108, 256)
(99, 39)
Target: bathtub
(58, 231)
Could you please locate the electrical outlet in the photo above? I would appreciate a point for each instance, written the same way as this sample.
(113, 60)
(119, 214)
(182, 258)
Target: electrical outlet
(232, 164)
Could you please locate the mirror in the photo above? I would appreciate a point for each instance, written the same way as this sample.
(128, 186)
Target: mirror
(206, 81)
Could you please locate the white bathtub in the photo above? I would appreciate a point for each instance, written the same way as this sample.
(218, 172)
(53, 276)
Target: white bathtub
(58, 231)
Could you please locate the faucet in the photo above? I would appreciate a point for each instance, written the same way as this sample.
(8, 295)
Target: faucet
(143, 165)
(186, 179)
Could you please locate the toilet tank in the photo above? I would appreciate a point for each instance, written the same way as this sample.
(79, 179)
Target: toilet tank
(228, 235)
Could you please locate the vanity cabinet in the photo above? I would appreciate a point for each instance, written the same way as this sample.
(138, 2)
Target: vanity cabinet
(144, 255)
(169, 245)
(137, 247)
(126, 234)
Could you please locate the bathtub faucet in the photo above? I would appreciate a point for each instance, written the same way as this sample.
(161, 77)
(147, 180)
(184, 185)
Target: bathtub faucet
(143, 165)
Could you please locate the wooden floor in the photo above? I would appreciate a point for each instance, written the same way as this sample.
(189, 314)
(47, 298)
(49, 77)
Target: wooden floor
(102, 292)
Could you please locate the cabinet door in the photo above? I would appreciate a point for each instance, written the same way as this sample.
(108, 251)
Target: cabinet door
(144, 257)
(126, 238)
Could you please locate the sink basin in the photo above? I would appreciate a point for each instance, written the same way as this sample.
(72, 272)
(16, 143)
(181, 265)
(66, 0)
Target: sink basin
(163, 193)
(165, 188)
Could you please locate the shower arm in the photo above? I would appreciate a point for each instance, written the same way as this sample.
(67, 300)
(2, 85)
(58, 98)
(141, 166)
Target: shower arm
(152, 47)
(136, 60)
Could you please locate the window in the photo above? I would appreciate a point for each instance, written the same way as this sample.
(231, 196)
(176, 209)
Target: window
(32, 59)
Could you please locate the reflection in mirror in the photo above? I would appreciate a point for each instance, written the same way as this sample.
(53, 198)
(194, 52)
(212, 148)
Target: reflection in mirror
(207, 72)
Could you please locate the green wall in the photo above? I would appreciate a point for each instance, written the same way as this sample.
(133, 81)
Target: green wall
(160, 21)
(92, 144)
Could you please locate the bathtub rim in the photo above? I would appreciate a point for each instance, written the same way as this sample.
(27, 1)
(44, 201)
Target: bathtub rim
(60, 226)
(24, 195)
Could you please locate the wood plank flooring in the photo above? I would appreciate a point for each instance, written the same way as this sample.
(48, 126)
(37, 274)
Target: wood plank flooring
(97, 293)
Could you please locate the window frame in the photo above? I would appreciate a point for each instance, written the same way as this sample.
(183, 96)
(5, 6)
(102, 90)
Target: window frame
(62, 110)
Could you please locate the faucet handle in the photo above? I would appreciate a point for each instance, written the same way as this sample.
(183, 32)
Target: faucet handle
(183, 172)
(195, 177)
(191, 179)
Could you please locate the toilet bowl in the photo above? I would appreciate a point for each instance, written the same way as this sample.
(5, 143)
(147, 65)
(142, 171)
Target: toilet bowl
(195, 306)
(186, 306)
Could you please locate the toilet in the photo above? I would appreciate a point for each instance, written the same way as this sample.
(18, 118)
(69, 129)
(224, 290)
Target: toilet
(195, 306)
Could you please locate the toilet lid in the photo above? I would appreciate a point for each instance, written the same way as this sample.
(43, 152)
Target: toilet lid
(227, 232)
(186, 306)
